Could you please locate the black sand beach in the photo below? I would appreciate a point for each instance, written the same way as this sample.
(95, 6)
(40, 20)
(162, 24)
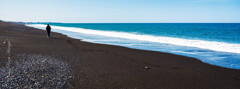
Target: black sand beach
(99, 66)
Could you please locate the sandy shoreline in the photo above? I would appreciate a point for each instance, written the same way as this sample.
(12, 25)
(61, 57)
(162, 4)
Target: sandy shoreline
(99, 66)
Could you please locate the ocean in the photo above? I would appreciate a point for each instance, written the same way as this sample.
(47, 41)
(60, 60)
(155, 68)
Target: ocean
(213, 43)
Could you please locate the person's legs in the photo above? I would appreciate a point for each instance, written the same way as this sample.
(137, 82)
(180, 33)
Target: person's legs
(48, 33)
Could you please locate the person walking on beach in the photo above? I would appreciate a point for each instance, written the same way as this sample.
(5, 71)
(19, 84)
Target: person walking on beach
(48, 28)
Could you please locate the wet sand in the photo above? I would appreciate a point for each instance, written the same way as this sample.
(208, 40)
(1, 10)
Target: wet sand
(99, 66)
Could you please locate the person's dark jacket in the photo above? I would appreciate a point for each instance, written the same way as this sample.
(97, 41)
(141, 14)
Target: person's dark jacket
(48, 28)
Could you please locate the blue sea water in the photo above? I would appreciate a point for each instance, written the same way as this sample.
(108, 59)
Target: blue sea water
(213, 43)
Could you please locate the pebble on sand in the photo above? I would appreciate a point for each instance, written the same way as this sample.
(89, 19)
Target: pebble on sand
(146, 67)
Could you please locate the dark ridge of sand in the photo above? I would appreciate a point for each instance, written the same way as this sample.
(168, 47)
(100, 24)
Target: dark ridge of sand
(99, 66)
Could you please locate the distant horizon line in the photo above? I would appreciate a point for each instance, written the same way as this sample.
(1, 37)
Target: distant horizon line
(132, 22)
(113, 22)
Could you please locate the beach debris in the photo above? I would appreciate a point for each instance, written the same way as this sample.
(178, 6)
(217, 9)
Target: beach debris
(36, 72)
(146, 67)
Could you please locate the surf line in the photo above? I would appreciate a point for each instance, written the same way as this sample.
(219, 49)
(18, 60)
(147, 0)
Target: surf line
(9, 60)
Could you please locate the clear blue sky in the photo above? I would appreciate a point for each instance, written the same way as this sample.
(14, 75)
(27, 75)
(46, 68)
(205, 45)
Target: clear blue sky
(121, 11)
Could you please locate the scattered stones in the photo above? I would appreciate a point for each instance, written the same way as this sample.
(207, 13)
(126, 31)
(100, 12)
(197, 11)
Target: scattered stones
(36, 71)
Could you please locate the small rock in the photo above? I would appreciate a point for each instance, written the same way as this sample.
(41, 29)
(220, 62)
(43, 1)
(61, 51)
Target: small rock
(4, 42)
(146, 67)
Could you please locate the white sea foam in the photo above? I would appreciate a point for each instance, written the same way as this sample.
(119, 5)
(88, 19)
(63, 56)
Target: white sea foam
(211, 45)
(184, 52)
